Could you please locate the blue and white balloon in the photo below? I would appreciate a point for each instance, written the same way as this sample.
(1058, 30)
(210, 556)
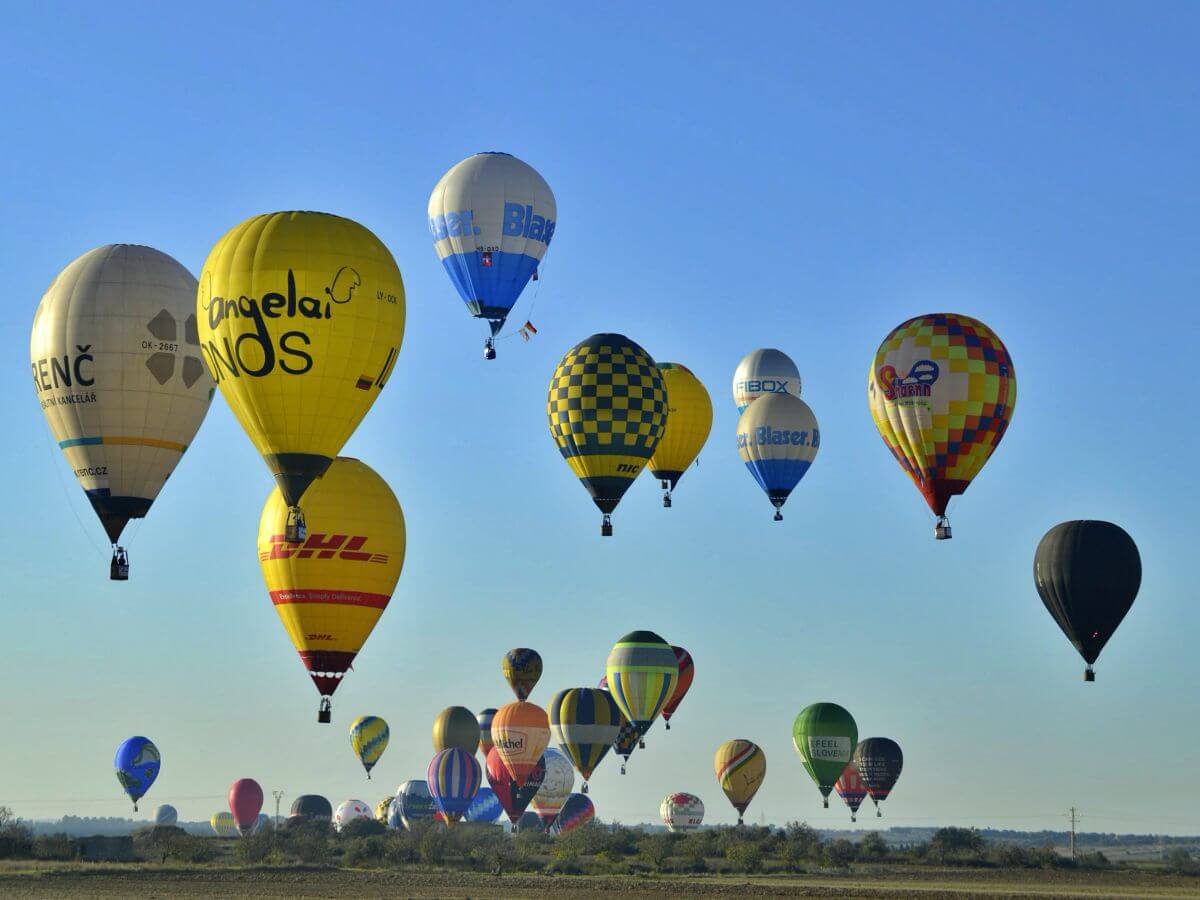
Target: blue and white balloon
(778, 438)
(763, 372)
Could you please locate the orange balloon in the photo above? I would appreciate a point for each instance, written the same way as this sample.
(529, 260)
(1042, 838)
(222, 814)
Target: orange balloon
(520, 733)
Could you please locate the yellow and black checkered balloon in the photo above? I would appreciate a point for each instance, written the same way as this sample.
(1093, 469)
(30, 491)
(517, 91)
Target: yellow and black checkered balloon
(608, 409)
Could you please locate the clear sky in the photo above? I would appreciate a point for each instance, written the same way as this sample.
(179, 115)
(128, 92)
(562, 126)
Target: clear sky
(799, 176)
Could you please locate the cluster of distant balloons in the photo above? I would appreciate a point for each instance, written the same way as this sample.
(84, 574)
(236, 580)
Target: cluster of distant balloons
(298, 318)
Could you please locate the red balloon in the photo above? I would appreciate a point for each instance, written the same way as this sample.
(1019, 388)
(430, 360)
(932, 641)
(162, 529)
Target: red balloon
(245, 802)
(687, 671)
(513, 797)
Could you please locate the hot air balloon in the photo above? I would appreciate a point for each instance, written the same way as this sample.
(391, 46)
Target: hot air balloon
(522, 668)
(348, 811)
(369, 738)
(682, 812)
(520, 732)
(330, 590)
(608, 409)
(628, 734)
(311, 806)
(492, 217)
(942, 390)
(584, 723)
(166, 816)
(879, 762)
(454, 778)
(778, 439)
(851, 789)
(415, 802)
(262, 824)
(577, 810)
(118, 373)
(300, 311)
(456, 726)
(512, 796)
(382, 808)
(741, 767)
(642, 673)
(556, 787)
(485, 807)
(485, 730)
(245, 802)
(764, 372)
(1088, 574)
(687, 671)
(689, 420)
(137, 763)
(825, 736)
(223, 825)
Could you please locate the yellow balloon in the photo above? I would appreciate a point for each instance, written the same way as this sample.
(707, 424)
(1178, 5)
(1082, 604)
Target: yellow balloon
(301, 316)
(456, 726)
(331, 589)
(741, 767)
(689, 420)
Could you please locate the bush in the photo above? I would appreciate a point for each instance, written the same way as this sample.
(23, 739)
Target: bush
(310, 847)
(497, 852)
(190, 848)
(254, 848)
(16, 838)
(800, 843)
(840, 853)
(656, 849)
(365, 852)
(960, 842)
(745, 856)
(53, 846)
(358, 828)
(432, 846)
(873, 846)
(1180, 862)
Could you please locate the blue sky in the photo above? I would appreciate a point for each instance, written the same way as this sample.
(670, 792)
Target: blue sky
(795, 176)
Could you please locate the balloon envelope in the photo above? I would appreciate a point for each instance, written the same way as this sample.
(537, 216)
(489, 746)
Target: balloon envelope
(520, 731)
(585, 723)
(456, 726)
(223, 825)
(765, 371)
(166, 816)
(642, 673)
(740, 766)
(331, 590)
(607, 408)
(300, 311)
(682, 812)
(492, 218)
(137, 763)
(348, 811)
(522, 668)
(556, 787)
(942, 389)
(118, 372)
(1088, 574)
(825, 735)
(687, 671)
(577, 810)
(879, 762)
(312, 806)
(453, 778)
(689, 421)
(245, 802)
(369, 738)
(851, 789)
(415, 801)
(485, 730)
(485, 807)
(512, 796)
(778, 439)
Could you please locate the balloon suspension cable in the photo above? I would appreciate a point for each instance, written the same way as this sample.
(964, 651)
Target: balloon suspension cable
(325, 712)
(118, 569)
(1089, 674)
(297, 529)
(606, 526)
(489, 348)
(941, 531)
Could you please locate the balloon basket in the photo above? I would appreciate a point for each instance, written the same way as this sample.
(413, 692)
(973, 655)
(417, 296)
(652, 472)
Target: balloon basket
(325, 714)
(606, 526)
(489, 349)
(622, 768)
(826, 803)
(878, 813)
(853, 818)
(1089, 675)
(941, 531)
(641, 745)
(118, 569)
(778, 516)
(296, 529)
(667, 724)
(667, 501)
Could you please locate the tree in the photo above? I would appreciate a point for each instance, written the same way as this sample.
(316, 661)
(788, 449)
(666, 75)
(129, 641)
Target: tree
(873, 846)
(955, 842)
(656, 849)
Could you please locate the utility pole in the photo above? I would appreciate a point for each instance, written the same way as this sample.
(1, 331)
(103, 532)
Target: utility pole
(1072, 832)
(279, 796)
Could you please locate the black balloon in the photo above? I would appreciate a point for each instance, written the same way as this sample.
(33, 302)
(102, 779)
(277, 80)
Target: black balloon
(879, 762)
(312, 806)
(1088, 574)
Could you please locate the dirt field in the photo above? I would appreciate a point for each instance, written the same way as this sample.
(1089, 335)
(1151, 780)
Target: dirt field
(82, 880)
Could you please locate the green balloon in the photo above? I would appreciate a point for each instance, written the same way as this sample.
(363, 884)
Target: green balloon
(825, 736)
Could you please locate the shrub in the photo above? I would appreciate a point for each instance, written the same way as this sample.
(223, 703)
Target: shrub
(190, 848)
(358, 828)
(310, 847)
(800, 843)
(1180, 862)
(53, 846)
(873, 846)
(253, 848)
(365, 852)
(840, 853)
(745, 856)
(16, 838)
(955, 842)
(432, 846)
(656, 849)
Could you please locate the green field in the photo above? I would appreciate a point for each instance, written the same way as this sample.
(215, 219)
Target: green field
(45, 880)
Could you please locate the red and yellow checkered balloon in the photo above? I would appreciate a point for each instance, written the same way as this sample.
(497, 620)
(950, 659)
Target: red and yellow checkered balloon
(942, 391)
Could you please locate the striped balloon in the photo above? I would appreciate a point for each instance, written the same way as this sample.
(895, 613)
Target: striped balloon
(577, 810)
(778, 438)
(415, 802)
(513, 797)
(642, 674)
(454, 778)
(584, 723)
(851, 789)
(522, 668)
(369, 738)
(555, 789)
(687, 671)
(485, 730)
(741, 767)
